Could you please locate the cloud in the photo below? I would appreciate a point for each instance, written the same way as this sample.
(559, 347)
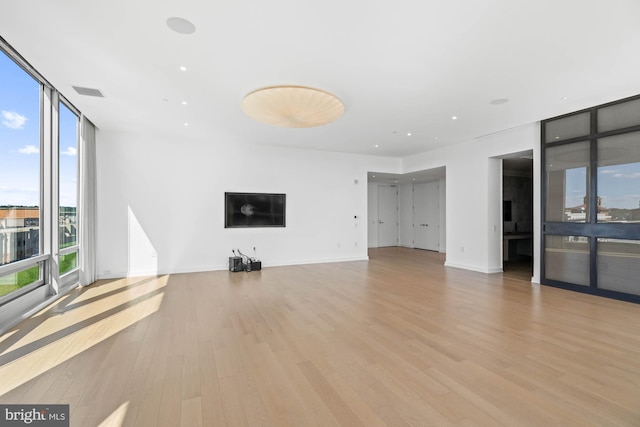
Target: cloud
(608, 171)
(634, 175)
(70, 151)
(29, 149)
(13, 120)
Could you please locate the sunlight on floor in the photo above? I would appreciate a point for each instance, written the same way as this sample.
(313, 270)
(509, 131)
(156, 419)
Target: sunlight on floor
(116, 419)
(73, 325)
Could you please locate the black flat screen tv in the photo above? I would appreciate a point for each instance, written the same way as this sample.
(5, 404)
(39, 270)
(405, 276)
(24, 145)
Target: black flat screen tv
(244, 210)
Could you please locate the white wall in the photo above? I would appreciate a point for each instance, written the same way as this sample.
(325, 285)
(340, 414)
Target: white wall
(161, 203)
(473, 195)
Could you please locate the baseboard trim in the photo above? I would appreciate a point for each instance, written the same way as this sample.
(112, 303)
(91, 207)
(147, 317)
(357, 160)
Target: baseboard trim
(140, 273)
(492, 270)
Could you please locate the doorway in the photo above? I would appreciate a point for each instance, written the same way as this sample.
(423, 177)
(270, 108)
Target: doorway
(387, 215)
(517, 215)
(426, 216)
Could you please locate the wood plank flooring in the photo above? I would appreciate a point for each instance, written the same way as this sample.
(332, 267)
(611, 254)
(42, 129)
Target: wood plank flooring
(399, 340)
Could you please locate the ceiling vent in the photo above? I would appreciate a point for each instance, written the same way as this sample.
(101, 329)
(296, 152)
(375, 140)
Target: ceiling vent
(87, 91)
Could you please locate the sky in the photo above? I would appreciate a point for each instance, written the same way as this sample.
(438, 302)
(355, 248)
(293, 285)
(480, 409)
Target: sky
(618, 186)
(20, 140)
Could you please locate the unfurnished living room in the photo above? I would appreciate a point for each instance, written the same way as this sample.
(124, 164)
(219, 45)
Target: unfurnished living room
(320, 214)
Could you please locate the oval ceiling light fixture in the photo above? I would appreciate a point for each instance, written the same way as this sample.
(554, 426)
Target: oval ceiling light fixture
(292, 106)
(181, 25)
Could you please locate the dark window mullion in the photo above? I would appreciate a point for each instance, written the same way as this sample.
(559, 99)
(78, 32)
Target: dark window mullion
(593, 200)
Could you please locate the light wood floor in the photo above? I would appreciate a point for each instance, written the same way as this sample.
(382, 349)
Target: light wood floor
(399, 340)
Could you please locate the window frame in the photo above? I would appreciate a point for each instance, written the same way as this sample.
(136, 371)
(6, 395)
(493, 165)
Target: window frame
(69, 277)
(592, 228)
(49, 251)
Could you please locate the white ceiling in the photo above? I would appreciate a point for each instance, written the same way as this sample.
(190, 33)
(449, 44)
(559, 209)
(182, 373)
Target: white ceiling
(399, 67)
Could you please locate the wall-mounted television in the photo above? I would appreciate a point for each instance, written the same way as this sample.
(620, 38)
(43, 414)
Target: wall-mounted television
(254, 210)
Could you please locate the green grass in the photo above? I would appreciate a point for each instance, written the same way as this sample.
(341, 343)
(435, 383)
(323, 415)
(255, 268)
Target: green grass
(68, 262)
(15, 281)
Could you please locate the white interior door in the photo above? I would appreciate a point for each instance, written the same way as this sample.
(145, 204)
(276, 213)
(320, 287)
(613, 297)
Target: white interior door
(387, 216)
(426, 216)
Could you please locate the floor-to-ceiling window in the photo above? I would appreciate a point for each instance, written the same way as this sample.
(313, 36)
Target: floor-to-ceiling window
(38, 182)
(20, 178)
(591, 200)
(67, 189)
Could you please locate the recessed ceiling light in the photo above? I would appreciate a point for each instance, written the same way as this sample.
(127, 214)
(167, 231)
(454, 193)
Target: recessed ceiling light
(408, 133)
(376, 145)
(454, 118)
(181, 25)
(184, 102)
(499, 101)
(183, 68)
(557, 137)
(373, 176)
(564, 98)
(414, 179)
(186, 124)
(435, 137)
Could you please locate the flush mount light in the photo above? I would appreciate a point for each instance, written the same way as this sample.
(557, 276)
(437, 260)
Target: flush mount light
(292, 106)
(181, 25)
(408, 133)
(183, 68)
(184, 102)
(454, 118)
